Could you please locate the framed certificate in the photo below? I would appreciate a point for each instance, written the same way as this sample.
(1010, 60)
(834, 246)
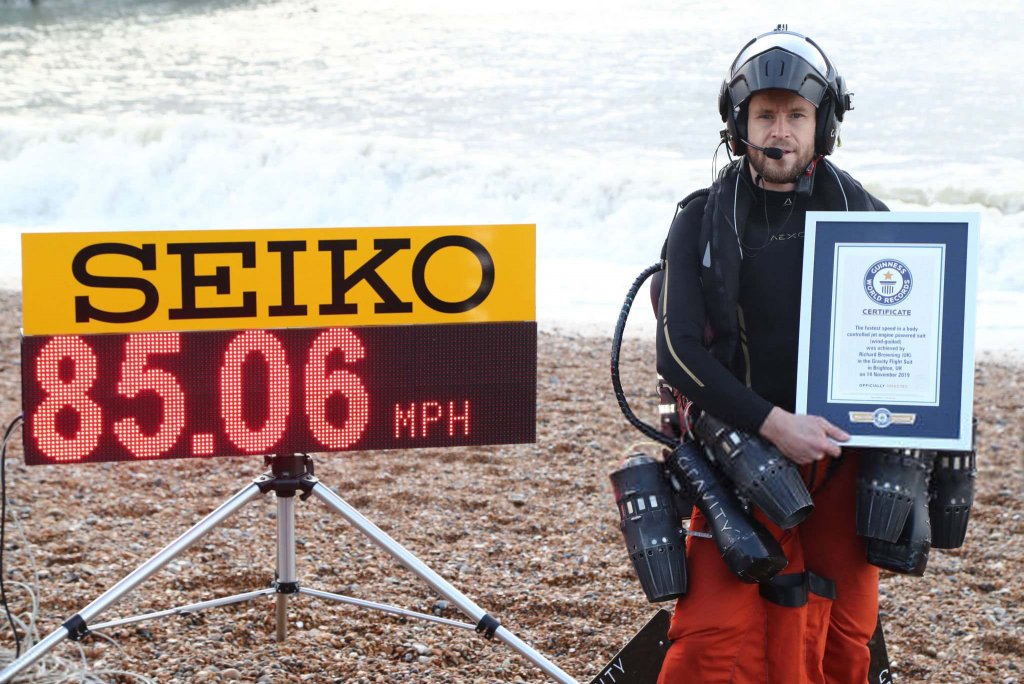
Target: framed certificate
(887, 326)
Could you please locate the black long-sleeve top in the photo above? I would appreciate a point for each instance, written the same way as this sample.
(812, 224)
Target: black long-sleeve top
(769, 311)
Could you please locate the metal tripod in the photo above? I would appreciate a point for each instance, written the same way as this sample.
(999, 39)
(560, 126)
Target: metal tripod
(288, 476)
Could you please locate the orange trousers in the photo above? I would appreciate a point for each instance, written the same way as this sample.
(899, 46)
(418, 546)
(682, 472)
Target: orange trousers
(723, 631)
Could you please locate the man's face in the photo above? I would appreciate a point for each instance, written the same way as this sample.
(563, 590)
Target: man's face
(783, 119)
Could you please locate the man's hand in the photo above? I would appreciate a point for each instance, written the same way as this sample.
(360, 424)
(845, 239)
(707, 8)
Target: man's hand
(802, 439)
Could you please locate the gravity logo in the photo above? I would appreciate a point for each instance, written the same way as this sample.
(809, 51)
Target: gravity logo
(888, 282)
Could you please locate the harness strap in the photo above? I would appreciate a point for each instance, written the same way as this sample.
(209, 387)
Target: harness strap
(792, 590)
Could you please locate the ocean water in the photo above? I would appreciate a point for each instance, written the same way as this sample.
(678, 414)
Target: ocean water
(589, 119)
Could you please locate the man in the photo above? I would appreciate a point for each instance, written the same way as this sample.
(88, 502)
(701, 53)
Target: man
(727, 340)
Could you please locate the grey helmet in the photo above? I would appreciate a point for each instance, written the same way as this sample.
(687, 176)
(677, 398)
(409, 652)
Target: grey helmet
(786, 60)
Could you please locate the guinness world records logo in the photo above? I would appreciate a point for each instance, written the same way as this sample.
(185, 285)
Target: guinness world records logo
(888, 282)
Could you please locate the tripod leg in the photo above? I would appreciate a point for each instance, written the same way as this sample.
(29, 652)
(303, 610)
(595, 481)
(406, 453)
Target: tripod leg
(77, 625)
(282, 617)
(286, 580)
(421, 570)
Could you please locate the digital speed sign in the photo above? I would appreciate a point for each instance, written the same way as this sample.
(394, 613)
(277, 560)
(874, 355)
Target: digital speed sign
(90, 394)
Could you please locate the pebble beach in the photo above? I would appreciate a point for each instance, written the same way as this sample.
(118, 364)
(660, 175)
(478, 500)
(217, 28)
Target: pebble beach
(528, 532)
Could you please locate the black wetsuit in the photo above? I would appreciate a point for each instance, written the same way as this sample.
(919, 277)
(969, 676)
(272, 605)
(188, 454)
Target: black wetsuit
(769, 310)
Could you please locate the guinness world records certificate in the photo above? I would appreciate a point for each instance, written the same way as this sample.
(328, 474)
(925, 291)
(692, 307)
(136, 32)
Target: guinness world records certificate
(887, 326)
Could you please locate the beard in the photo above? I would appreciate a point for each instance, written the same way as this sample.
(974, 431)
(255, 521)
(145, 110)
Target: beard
(780, 171)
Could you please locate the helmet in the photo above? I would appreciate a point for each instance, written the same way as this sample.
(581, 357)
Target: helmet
(790, 61)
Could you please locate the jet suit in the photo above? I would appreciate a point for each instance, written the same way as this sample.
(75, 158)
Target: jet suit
(727, 339)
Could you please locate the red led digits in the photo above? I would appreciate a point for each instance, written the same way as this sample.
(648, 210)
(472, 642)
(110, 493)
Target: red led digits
(67, 390)
(321, 385)
(136, 378)
(232, 399)
(199, 394)
(202, 444)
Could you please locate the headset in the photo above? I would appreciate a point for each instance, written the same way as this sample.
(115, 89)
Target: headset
(791, 61)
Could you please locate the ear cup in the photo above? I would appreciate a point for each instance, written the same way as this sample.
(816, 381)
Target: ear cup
(737, 127)
(735, 122)
(724, 101)
(826, 131)
(842, 97)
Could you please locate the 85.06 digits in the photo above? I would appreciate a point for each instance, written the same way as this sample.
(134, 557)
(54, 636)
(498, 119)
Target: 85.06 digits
(68, 420)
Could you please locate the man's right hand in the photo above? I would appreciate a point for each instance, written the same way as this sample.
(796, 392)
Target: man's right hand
(802, 439)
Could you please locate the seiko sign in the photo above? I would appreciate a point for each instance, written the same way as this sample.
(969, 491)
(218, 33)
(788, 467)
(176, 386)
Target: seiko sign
(248, 279)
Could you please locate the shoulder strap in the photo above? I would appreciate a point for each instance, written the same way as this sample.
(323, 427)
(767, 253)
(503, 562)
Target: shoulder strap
(725, 216)
(656, 279)
(703, 192)
(838, 189)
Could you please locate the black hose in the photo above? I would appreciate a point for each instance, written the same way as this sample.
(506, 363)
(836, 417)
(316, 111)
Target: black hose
(3, 529)
(620, 396)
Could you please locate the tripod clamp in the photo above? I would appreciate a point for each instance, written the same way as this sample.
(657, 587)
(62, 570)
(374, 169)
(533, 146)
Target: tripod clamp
(77, 629)
(487, 626)
(288, 474)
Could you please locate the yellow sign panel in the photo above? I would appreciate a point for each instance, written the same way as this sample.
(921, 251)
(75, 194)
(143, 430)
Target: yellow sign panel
(77, 283)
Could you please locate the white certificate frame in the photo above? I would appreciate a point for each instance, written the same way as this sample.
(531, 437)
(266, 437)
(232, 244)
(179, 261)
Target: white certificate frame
(892, 415)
